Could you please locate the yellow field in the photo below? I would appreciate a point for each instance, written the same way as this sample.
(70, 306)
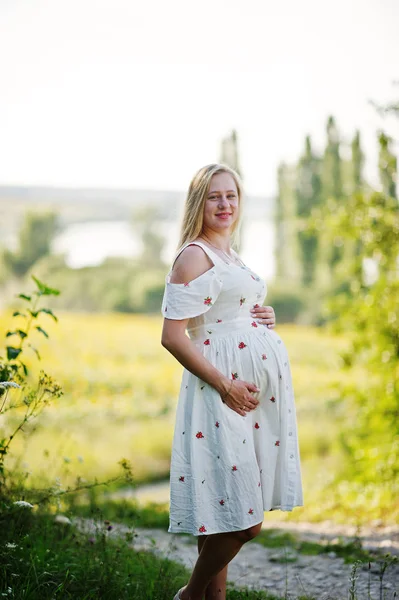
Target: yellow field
(120, 392)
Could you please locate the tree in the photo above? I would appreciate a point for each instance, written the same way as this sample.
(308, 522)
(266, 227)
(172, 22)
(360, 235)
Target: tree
(229, 154)
(308, 195)
(357, 163)
(35, 237)
(387, 165)
(145, 221)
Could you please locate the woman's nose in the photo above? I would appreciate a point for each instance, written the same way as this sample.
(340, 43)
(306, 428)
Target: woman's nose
(223, 201)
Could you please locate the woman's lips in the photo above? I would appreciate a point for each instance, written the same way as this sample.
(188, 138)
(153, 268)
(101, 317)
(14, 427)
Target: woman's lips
(224, 215)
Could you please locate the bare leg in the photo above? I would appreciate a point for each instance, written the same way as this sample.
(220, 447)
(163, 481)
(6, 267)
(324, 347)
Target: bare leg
(216, 589)
(217, 551)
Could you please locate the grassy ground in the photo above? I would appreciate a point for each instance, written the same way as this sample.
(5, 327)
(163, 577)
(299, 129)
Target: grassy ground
(41, 559)
(121, 389)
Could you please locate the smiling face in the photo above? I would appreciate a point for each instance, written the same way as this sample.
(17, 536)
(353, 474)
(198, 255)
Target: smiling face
(221, 204)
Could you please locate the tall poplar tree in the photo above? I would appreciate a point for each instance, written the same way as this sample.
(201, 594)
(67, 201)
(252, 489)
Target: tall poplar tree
(387, 165)
(357, 163)
(308, 194)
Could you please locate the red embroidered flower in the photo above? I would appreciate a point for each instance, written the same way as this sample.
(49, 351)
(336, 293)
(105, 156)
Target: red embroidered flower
(272, 399)
(253, 277)
(264, 357)
(242, 300)
(256, 305)
(251, 511)
(217, 424)
(234, 375)
(277, 443)
(207, 342)
(187, 284)
(218, 320)
(254, 324)
(202, 529)
(199, 435)
(208, 300)
(241, 345)
(221, 502)
(234, 468)
(256, 425)
(259, 484)
(181, 478)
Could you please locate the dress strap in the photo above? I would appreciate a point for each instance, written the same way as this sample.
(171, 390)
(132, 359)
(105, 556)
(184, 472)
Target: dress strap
(212, 255)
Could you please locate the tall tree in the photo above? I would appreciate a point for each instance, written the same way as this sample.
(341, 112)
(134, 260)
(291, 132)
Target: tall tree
(229, 154)
(35, 237)
(357, 163)
(332, 171)
(308, 195)
(387, 165)
(286, 248)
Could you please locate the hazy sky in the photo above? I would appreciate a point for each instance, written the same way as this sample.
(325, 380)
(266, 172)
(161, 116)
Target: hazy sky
(138, 94)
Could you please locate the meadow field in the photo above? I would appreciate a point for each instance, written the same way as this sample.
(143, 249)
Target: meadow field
(120, 392)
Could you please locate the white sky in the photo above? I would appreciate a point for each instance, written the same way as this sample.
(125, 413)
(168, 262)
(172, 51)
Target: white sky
(123, 93)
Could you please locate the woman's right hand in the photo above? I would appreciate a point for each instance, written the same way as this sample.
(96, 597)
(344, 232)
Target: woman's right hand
(240, 398)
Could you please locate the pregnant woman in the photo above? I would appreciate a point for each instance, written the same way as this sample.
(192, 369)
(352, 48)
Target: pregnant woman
(235, 450)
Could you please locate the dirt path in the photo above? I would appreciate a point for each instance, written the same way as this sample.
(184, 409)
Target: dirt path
(324, 577)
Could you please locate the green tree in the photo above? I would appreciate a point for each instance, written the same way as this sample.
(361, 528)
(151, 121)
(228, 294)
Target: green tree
(387, 165)
(35, 237)
(229, 153)
(357, 163)
(145, 223)
(308, 195)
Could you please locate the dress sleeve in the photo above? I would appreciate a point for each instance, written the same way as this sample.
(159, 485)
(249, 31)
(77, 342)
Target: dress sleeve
(188, 300)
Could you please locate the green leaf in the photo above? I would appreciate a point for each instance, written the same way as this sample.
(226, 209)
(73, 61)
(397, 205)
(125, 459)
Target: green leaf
(19, 332)
(24, 297)
(25, 368)
(35, 350)
(34, 313)
(42, 331)
(19, 314)
(44, 290)
(13, 352)
(48, 312)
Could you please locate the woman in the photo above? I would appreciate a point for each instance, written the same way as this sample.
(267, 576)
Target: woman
(235, 450)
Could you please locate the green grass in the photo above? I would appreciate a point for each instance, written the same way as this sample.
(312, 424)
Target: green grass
(121, 389)
(43, 560)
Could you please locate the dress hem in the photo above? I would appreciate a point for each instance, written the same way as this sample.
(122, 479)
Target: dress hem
(172, 529)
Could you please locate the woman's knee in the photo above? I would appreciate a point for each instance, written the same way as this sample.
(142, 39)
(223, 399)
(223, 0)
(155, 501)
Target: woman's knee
(249, 534)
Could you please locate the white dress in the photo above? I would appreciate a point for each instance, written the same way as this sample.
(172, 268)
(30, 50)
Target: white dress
(227, 469)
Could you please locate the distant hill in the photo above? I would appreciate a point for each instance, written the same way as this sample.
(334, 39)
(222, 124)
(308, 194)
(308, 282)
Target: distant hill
(76, 205)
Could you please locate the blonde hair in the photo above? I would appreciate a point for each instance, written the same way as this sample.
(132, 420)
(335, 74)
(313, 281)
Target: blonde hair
(193, 214)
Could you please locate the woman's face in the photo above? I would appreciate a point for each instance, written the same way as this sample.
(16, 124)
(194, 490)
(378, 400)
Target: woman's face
(221, 203)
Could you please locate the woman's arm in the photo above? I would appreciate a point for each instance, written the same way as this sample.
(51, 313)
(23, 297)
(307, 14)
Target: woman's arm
(191, 263)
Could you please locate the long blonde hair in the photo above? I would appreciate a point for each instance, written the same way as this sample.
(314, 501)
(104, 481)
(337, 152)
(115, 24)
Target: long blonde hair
(193, 214)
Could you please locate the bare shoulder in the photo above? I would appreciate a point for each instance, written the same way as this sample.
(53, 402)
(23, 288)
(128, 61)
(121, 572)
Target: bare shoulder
(191, 263)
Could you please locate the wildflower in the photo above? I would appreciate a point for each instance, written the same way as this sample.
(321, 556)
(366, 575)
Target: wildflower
(91, 540)
(6, 384)
(23, 503)
(62, 519)
(11, 545)
(66, 459)
(109, 528)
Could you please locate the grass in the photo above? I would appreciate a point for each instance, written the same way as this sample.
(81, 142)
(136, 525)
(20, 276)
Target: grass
(41, 559)
(120, 394)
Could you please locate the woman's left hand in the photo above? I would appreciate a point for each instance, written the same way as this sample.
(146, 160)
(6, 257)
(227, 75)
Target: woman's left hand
(264, 315)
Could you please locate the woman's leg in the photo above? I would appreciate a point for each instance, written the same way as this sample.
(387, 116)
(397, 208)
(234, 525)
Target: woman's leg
(217, 551)
(216, 589)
